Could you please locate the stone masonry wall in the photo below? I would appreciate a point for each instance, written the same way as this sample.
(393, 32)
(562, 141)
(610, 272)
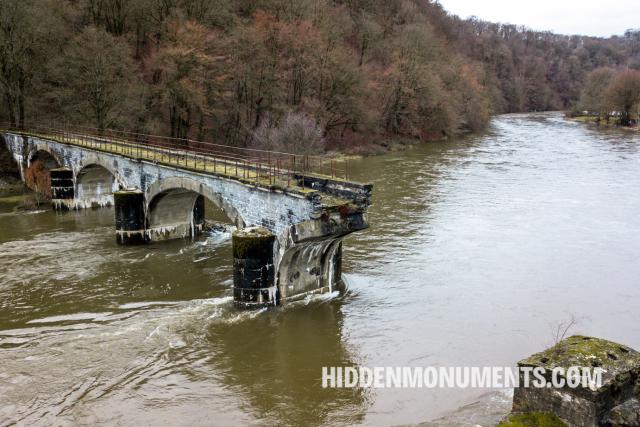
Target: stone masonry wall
(273, 210)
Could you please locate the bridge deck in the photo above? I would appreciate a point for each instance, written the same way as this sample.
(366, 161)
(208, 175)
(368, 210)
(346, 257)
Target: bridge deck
(289, 172)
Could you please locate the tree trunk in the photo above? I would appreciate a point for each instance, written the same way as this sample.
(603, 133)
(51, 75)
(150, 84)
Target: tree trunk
(363, 48)
(172, 120)
(625, 117)
(12, 116)
(21, 101)
(201, 127)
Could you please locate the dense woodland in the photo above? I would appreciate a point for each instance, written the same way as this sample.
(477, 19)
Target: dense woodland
(303, 75)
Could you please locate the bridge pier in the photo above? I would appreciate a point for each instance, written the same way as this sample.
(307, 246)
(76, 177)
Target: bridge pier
(306, 259)
(62, 193)
(310, 255)
(253, 268)
(130, 217)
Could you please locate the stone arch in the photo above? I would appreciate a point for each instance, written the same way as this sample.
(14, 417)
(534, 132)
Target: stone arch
(174, 214)
(175, 207)
(37, 175)
(45, 154)
(93, 160)
(94, 186)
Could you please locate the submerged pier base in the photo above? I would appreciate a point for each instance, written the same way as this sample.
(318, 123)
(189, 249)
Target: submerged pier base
(62, 193)
(253, 268)
(130, 217)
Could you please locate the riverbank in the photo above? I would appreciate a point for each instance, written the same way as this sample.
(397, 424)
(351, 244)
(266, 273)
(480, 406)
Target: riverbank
(16, 197)
(379, 145)
(10, 184)
(596, 121)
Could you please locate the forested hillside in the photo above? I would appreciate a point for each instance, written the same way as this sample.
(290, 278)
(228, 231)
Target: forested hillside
(303, 75)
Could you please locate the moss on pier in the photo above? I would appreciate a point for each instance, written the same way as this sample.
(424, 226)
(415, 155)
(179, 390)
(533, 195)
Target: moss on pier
(584, 351)
(534, 419)
(254, 242)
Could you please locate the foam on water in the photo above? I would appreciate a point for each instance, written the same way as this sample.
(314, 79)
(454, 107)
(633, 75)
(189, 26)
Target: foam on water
(146, 304)
(96, 317)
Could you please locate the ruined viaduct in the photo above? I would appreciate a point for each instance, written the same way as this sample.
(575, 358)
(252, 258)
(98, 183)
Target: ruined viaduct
(158, 190)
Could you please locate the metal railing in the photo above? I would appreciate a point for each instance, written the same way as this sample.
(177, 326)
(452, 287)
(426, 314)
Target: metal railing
(261, 167)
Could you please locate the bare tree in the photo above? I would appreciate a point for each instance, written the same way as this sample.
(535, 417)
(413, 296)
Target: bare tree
(624, 94)
(98, 80)
(28, 31)
(594, 96)
(296, 133)
(562, 328)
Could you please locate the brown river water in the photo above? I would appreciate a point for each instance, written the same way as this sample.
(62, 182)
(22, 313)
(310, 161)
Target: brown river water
(477, 248)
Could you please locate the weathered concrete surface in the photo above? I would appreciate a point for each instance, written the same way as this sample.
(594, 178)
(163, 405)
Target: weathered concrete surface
(175, 214)
(309, 257)
(180, 194)
(583, 406)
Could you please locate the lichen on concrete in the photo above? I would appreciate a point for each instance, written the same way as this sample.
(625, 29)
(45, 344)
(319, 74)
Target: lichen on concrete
(578, 350)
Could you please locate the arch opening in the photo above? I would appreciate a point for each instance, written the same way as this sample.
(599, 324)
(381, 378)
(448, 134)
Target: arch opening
(179, 213)
(37, 176)
(95, 186)
(171, 208)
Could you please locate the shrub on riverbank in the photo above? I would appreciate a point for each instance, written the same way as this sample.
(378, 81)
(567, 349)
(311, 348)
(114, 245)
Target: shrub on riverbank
(38, 178)
(10, 184)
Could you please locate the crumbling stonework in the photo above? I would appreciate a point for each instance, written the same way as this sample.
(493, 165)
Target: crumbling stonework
(626, 414)
(614, 403)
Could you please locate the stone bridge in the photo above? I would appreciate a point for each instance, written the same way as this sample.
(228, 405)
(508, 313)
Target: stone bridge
(159, 194)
